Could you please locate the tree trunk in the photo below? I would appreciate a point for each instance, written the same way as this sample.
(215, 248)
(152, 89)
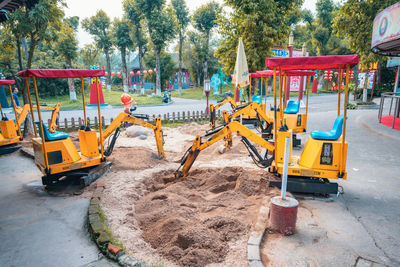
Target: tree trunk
(158, 68)
(206, 57)
(19, 54)
(25, 45)
(124, 73)
(71, 87)
(180, 62)
(107, 52)
(141, 69)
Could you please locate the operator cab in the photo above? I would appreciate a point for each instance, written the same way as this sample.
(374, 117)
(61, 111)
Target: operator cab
(51, 136)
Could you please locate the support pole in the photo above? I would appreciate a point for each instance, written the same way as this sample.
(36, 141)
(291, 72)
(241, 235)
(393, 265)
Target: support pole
(83, 101)
(285, 168)
(339, 90)
(30, 105)
(99, 113)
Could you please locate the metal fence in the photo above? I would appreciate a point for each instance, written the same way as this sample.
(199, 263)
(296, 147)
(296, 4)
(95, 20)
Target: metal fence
(184, 116)
(393, 96)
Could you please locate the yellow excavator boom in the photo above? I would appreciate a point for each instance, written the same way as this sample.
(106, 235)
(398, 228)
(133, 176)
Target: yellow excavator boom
(23, 112)
(217, 106)
(234, 126)
(125, 117)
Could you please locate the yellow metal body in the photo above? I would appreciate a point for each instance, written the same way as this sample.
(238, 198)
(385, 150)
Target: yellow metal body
(125, 117)
(312, 161)
(8, 133)
(62, 156)
(88, 143)
(23, 112)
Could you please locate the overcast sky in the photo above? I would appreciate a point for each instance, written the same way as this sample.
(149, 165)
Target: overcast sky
(87, 8)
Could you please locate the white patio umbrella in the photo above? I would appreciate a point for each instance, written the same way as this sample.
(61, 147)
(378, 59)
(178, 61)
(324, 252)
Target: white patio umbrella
(241, 72)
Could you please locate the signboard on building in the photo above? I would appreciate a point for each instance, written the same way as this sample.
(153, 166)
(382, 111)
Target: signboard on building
(361, 80)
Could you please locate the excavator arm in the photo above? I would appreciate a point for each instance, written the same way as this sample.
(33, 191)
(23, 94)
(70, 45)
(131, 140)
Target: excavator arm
(192, 153)
(125, 117)
(217, 106)
(23, 112)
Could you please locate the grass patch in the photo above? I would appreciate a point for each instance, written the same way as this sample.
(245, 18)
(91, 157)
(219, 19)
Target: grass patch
(112, 98)
(198, 93)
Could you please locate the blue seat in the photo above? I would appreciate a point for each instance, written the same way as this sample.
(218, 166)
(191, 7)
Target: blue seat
(51, 136)
(333, 134)
(256, 98)
(292, 107)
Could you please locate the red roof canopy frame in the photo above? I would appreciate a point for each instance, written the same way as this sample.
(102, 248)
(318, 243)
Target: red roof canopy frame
(64, 73)
(6, 82)
(268, 73)
(312, 63)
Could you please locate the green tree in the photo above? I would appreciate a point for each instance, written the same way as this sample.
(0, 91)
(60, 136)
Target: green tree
(89, 55)
(204, 20)
(67, 46)
(99, 26)
(166, 63)
(355, 20)
(122, 41)
(135, 16)
(182, 15)
(259, 29)
(161, 27)
(40, 23)
(194, 54)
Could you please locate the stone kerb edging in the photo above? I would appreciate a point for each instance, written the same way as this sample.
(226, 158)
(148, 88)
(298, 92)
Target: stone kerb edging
(256, 236)
(102, 235)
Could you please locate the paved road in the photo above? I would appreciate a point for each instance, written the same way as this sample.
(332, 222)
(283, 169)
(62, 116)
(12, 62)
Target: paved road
(37, 229)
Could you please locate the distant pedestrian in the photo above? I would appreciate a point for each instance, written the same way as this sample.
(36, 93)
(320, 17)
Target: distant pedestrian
(15, 97)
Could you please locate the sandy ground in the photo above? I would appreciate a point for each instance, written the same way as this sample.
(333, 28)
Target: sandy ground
(201, 221)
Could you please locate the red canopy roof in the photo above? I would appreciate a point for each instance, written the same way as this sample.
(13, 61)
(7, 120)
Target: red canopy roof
(64, 73)
(4, 82)
(268, 73)
(255, 75)
(312, 63)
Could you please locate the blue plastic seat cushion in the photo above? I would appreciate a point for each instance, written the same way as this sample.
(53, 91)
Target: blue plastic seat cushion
(333, 134)
(256, 98)
(292, 107)
(51, 136)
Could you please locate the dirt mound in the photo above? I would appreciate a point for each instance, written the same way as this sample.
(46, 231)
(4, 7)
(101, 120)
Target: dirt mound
(134, 158)
(191, 222)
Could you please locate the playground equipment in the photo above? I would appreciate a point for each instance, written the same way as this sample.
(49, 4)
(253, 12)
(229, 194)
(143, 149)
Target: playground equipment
(290, 113)
(10, 134)
(55, 154)
(325, 153)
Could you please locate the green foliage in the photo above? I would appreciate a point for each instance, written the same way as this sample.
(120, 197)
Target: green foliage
(73, 22)
(167, 65)
(181, 13)
(89, 55)
(67, 44)
(160, 21)
(259, 29)
(354, 21)
(205, 17)
(120, 34)
(99, 27)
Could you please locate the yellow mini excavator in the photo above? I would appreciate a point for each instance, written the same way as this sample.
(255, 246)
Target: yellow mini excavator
(55, 153)
(10, 130)
(323, 157)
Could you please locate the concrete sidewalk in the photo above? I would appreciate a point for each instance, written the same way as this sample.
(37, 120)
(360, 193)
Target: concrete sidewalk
(361, 226)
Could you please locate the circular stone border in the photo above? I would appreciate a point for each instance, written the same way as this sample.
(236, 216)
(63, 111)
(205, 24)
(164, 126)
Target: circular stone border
(102, 235)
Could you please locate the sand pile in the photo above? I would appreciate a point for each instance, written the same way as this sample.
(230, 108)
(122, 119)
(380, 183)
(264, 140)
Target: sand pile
(134, 158)
(195, 221)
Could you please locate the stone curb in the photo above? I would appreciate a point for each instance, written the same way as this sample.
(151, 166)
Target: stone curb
(256, 236)
(102, 235)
